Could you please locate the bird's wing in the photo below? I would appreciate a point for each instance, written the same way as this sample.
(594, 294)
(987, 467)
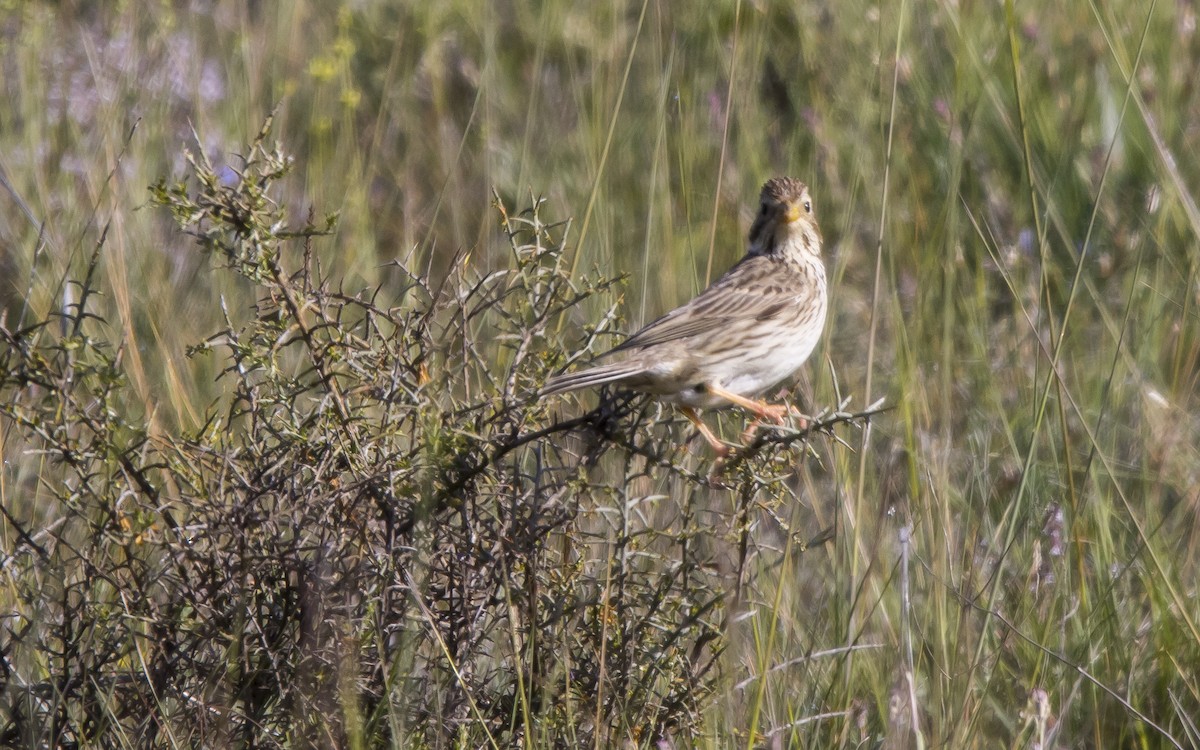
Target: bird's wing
(745, 292)
(611, 373)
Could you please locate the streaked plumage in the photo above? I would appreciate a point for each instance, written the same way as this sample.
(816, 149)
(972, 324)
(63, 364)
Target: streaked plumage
(749, 331)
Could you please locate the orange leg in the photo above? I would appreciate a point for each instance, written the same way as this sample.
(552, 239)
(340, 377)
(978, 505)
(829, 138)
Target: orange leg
(760, 409)
(719, 447)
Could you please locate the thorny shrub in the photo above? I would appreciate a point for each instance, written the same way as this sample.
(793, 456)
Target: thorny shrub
(380, 534)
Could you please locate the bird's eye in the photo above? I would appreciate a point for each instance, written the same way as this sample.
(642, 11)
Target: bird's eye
(808, 206)
(764, 209)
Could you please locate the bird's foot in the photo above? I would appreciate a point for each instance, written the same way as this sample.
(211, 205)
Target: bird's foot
(775, 413)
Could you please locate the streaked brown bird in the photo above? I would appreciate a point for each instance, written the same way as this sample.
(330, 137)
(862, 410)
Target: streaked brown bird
(750, 330)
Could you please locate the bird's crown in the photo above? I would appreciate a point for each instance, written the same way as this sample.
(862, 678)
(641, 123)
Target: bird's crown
(780, 189)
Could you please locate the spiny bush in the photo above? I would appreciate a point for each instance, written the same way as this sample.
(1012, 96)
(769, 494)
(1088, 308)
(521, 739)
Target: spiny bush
(378, 535)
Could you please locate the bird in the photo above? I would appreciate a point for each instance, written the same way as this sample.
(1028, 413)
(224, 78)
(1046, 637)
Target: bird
(748, 331)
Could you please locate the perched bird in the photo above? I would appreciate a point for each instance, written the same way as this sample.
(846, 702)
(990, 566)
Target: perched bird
(750, 330)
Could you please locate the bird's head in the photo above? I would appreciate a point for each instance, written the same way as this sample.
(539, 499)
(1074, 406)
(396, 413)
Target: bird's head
(785, 224)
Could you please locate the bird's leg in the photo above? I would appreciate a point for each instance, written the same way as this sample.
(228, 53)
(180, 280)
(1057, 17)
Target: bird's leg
(719, 447)
(760, 409)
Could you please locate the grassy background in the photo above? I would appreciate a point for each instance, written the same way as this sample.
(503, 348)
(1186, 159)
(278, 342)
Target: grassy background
(1006, 196)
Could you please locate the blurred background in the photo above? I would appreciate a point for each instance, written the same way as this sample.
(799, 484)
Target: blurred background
(1006, 193)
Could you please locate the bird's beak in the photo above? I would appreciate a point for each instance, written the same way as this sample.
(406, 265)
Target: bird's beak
(792, 215)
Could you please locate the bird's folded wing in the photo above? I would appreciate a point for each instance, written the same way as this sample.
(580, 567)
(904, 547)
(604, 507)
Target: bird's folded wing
(722, 305)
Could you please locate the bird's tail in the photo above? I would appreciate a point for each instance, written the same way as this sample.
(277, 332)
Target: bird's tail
(610, 373)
